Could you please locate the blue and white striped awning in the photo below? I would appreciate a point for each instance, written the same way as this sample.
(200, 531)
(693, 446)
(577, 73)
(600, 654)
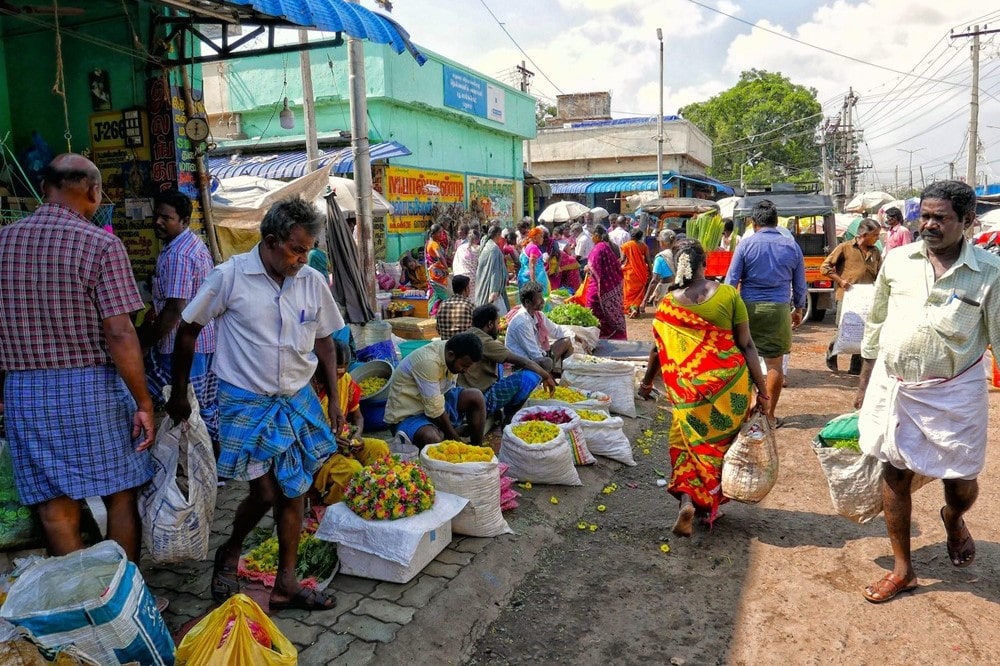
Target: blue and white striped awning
(570, 186)
(293, 163)
(635, 184)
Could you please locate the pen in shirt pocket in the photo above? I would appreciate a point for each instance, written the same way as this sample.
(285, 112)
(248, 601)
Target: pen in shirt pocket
(964, 299)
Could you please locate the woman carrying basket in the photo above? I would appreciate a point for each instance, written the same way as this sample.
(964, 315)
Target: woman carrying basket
(707, 358)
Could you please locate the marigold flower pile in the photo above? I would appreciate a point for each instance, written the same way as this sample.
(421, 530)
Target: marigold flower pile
(562, 393)
(453, 451)
(389, 489)
(591, 415)
(372, 385)
(536, 432)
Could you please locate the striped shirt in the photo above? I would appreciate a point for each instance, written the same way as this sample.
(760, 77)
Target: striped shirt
(182, 266)
(61, 276)
(933, 329)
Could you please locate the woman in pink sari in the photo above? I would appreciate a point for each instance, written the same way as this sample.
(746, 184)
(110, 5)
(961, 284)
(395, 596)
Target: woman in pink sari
(605, 294)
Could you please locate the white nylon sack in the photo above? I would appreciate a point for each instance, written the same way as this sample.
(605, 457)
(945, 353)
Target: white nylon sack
(549, 462)
(176, 523)
(615, 378)
(593, 400)
(607, 438)
(478, 482)
(585, 338)
(573, 429)
(855, 481)
(856, 304)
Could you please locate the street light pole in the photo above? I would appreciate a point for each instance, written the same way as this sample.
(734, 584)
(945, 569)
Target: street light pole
(911, 163)
(659, 124)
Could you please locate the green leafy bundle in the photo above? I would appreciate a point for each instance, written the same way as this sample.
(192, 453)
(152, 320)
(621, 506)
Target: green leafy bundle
(573, 315)
(706, 229)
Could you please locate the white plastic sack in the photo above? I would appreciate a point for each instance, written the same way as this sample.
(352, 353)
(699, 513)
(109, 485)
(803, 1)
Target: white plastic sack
(607, 438)
(750, 466)
(856, 304)
(94, 599)
(573, 429)
(855, 481)
(176, 525)
(549, 462)
(615, 378)
(594, 400)
(478, 482)
(585, 338)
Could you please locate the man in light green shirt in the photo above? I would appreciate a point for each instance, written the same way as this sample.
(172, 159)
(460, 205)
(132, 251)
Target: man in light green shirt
(922, 390)
(425, 404)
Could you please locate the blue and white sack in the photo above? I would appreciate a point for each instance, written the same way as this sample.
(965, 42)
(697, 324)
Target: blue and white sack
(93, 599)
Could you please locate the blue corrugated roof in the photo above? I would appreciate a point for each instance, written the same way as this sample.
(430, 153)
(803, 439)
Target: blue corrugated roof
(569, 186)
(617, 122)
(293, 164)
(339, 16)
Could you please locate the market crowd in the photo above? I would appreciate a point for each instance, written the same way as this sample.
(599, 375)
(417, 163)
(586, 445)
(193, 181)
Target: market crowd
(249, 344)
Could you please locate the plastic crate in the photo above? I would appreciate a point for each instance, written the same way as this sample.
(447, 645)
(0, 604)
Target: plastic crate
(717, 263)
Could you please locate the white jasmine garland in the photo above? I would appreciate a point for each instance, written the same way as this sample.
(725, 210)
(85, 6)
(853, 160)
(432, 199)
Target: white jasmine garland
(684, 272)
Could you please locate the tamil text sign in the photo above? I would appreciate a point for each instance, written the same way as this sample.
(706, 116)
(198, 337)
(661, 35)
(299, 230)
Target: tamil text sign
(413, 192)
(473, 95)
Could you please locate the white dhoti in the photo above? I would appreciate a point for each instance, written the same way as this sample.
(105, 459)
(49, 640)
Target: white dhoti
(935, 427)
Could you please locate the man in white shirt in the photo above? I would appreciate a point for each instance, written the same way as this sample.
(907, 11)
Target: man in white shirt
(274, 316)
(584, 244)
(620, 234)
(534, 336)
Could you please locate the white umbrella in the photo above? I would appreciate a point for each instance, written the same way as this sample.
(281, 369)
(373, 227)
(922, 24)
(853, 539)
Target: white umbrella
(868, 201)
(563, 211)
(990, 221)
(345, 191)
(599, 213)
(727, 206)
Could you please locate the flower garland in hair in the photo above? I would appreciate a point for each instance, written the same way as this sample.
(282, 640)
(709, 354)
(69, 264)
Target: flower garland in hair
(684, 272)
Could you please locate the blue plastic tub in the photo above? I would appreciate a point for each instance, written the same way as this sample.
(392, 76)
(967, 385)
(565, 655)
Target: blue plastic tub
(374, 413)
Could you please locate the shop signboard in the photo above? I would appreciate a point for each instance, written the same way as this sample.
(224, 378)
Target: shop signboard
(413, 192)
(494, 196)
(473, 95)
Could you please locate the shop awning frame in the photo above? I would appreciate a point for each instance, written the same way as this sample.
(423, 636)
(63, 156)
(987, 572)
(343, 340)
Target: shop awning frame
(294, 163)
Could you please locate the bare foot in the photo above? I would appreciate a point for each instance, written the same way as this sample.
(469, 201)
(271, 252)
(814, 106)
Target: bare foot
(684, 525)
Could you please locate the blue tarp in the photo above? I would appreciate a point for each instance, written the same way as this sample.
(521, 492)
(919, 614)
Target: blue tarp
(617, 122)
(338, 16)
(293, 163)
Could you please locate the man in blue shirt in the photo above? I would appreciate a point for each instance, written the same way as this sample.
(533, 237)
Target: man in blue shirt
(768, 267)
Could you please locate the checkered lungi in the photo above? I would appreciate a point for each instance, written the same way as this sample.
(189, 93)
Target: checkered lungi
(287, 432)
(510, 390)
(70, 434)
(203, 381)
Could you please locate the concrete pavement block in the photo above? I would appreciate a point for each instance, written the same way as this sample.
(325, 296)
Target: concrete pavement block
(388, 591)
(353, 584)
(326, 649)
(425, 588)
(385, 611)
(474, 545)
(449, 556)
(442, 570)
(301, 635)
(366, 628)
(359, 653)
(345, 601)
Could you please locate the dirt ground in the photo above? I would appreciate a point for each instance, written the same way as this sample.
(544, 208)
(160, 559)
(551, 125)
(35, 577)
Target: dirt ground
(777, 582)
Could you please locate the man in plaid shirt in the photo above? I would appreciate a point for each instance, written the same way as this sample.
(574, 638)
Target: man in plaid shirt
(78, 414)
(455, 314)
(182, 266)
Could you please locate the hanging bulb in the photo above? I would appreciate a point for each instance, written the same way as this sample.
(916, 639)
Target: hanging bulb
(287, 117)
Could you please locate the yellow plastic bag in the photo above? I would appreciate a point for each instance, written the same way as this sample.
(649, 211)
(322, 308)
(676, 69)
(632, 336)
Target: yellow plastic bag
(210, 644)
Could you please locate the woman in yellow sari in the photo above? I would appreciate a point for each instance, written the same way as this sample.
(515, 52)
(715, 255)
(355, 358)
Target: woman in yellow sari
(707, 358)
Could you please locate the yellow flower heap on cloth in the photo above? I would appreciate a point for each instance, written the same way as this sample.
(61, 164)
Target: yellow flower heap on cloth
(389, 489)
(591, 415)
(372, 385)
(454, 451)
(536, 432)
(562, 393)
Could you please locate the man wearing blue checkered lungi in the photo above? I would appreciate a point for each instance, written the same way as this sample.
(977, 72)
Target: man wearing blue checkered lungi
(274, 316)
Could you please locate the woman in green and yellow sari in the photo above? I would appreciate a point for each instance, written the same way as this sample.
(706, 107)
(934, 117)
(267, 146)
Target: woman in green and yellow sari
(708, 361)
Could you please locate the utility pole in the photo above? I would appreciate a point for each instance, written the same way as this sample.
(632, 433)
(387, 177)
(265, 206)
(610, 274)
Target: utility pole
(951, 171)
(526, 75)
(308, 103)
(904, 150)
(975, 33)
(896, 189)
(659, 126)
(922, 185)
(362, 162)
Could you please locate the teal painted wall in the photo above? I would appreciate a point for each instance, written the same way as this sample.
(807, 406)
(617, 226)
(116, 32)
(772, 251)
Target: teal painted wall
(29, 69)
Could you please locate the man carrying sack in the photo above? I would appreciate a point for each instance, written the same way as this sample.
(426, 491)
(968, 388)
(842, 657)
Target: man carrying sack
(922, 390)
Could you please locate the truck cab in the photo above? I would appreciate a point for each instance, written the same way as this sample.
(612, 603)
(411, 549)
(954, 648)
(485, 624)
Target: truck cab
(814, 227)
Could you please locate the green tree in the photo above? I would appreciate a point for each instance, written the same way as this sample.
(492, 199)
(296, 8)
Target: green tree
(765, 123)
(543, 111)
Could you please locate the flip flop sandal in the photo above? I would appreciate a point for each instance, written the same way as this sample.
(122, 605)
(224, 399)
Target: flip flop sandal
(888, 587)
(961, 551)
(225, 581)
(306, 599)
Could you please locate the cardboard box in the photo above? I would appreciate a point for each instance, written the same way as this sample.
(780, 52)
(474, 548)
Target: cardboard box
(355, 562)
(420, 305)
(414, 328)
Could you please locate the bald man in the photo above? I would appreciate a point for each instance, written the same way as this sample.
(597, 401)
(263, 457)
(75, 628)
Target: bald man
(79, 418)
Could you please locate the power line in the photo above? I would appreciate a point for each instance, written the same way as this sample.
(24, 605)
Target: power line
(523, 52)
(812, 46)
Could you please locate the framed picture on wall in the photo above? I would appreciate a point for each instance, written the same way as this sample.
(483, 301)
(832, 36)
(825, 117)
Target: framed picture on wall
(100, 89)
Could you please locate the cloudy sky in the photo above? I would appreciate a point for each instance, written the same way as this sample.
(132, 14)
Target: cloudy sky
(912, 80)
